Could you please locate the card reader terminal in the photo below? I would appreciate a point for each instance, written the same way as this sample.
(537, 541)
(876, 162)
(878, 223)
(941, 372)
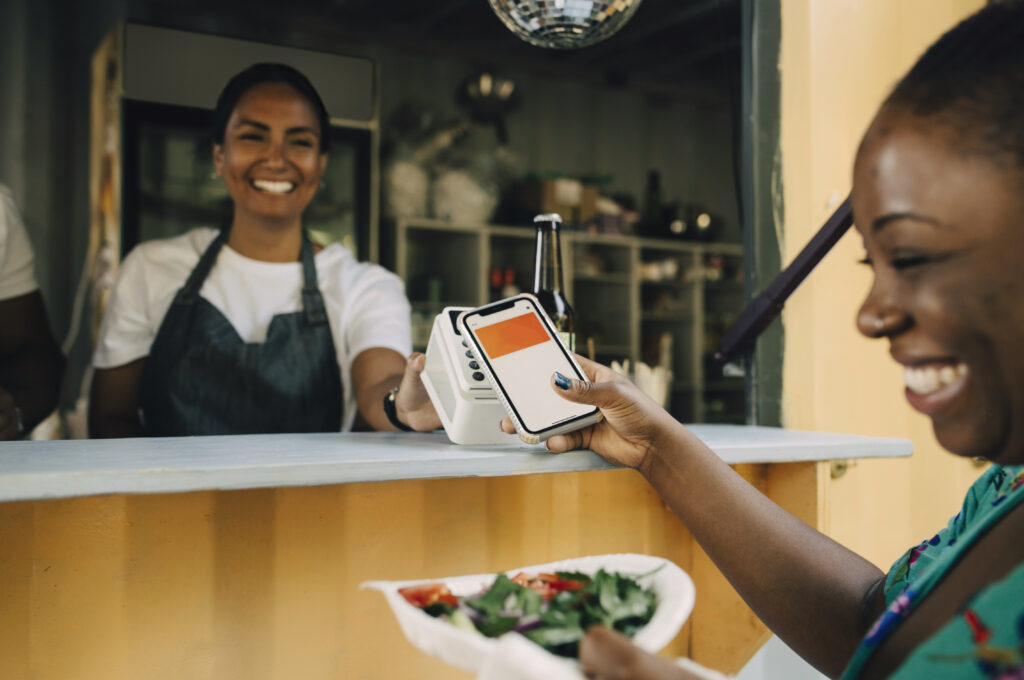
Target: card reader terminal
(460, 392)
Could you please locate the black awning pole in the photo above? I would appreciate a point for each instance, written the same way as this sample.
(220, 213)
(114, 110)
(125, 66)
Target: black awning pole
(765, 307)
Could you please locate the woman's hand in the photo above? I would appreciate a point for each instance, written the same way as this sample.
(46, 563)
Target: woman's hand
(412, 401)
(607, 655)
(633, 423)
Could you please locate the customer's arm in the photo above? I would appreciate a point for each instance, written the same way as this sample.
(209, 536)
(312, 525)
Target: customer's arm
(31, 365)
(812, 592)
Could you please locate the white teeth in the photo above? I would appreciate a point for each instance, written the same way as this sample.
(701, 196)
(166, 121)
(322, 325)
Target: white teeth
(927, 379)
(272, 186)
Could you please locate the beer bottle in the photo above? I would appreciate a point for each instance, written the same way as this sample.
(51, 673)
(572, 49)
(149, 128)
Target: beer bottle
(547, 278)
(652, 219)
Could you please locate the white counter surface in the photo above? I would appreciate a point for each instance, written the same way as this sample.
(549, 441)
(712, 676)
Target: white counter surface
(64, 469)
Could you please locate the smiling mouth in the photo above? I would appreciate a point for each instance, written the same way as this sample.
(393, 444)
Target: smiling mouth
(272, 186)
(931, 387)
(929, 379)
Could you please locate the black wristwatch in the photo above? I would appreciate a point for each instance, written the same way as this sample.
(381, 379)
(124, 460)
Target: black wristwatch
(391, 411)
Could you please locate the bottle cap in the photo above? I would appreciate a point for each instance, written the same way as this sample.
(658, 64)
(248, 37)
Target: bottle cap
(548, 217)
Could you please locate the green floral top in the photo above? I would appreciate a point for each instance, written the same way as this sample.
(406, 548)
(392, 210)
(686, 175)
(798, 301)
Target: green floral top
(985, 640)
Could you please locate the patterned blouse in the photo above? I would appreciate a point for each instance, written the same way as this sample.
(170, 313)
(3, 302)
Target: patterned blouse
(986, 639)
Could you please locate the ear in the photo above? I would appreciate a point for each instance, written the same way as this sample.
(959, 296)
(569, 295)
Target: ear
(323, 163)
(218, 159)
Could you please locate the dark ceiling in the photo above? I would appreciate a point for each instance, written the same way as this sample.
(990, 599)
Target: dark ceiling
(688, 46)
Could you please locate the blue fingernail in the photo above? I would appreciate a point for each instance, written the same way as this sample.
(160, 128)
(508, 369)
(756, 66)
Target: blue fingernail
(561, 381)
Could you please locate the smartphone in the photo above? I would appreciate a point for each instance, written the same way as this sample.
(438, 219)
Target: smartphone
(518, 349)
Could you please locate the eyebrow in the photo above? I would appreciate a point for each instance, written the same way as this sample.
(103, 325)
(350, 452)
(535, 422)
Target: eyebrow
(885, 220)
(265, 127)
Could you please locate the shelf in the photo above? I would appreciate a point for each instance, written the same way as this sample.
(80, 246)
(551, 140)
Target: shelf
(666, 245)
(625, 315)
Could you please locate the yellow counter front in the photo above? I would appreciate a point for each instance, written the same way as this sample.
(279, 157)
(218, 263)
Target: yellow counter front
(240, 557)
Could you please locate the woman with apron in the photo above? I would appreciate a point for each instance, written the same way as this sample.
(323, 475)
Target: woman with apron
(252, 328)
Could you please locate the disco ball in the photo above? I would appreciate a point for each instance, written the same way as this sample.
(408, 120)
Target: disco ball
(564, 24)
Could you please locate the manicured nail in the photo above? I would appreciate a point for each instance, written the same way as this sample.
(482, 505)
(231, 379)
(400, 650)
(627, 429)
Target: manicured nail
(561, 381)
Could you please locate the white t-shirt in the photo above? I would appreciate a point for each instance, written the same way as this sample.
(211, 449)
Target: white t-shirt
(366, 304)
(16, 274)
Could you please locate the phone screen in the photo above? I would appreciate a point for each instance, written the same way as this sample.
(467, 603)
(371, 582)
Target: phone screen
(518, 346)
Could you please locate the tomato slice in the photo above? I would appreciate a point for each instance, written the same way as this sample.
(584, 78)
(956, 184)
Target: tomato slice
(547, 585)
(427, 594)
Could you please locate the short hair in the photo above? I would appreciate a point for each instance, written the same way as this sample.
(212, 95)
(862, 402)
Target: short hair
(972, 80)
(257, 74)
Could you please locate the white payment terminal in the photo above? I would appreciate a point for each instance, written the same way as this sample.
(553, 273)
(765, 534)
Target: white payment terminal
(460, 392)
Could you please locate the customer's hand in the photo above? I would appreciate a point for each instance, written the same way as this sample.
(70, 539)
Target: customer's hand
(8, 417)
(412, 402)
(607, 655)
(633, 423)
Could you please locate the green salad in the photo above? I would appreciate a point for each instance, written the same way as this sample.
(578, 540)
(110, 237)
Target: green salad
(552, 610)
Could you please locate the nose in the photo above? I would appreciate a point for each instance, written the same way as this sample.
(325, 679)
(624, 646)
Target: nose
(275, 154)
(880, 315)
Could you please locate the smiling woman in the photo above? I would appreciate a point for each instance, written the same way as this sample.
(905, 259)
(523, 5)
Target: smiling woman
(932, 252)
(250, 328)
(938, 199)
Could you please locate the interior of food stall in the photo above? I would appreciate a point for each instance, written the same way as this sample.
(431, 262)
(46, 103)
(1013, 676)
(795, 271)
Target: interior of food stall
(691, 155)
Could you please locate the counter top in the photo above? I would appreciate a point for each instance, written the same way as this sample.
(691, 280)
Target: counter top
(31, 470)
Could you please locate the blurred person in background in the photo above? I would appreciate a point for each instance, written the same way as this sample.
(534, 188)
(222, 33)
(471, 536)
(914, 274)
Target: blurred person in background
(31, 363)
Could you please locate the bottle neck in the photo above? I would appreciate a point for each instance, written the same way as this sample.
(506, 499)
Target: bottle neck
(548, 263)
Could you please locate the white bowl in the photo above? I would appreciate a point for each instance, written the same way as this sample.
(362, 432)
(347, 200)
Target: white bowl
(470, 650)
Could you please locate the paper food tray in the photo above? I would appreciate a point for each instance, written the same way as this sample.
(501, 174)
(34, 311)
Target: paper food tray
(470, 650)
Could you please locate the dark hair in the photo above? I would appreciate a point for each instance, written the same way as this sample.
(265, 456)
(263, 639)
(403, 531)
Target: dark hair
(257, 74)
(972, 80)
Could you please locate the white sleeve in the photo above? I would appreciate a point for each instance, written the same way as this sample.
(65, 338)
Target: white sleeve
(378, 314)
(17, 276)
(128, 329)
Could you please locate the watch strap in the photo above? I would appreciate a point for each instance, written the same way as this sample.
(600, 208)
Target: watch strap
(391, 410)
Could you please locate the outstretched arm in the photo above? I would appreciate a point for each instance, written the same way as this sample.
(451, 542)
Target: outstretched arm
(812, 592)
(31, 364)
(375, 372)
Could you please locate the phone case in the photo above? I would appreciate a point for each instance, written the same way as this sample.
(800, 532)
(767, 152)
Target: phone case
(524, 434)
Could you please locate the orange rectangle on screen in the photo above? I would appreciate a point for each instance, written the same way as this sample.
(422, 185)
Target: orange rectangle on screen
(512, 335)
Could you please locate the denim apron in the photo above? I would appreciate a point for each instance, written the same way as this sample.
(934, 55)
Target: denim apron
(201, 378)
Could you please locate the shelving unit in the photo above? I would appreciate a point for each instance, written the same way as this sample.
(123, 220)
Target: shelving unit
(628, 294)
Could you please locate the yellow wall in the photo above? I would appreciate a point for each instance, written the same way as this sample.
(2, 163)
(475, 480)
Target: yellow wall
(839, 59)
